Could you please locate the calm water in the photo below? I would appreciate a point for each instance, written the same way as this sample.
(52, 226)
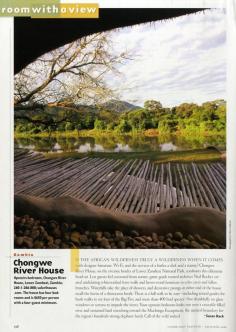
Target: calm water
(117, 144)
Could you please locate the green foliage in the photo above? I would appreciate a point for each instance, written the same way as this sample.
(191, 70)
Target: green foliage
(99, 124)
(186, 119)
(69, 126)
(124, 126)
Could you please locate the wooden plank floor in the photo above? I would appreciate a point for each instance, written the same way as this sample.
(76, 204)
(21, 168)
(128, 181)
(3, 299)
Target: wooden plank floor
(136, 186)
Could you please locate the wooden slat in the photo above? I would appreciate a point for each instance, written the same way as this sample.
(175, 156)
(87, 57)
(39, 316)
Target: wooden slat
(187, 186)
(201, 187)
(100, 197)
(135, 186)
(112, 200)
(191, 184)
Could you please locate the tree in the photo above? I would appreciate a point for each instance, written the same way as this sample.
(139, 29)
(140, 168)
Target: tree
(124, 126)
(152, 105)
(74, 72)
(69, 126)
(99, 124)
(186, 110)
(88, 121)
(155, 110)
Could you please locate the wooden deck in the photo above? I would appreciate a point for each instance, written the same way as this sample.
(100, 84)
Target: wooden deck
(136, 186)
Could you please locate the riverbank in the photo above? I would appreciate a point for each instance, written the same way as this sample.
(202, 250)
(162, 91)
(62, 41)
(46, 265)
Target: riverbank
(200, 155)
(196, 134)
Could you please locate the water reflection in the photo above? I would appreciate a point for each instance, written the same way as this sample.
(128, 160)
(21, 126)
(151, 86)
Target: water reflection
(118, 144)
(84, 148)
(168, 147)
(25, 146)
(122, 148)
(57, 147)
(98, 148)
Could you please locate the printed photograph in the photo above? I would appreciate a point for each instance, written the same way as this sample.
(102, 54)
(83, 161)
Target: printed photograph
(120, 130)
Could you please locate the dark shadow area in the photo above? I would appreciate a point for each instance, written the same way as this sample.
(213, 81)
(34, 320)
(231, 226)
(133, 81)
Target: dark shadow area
(34, 37)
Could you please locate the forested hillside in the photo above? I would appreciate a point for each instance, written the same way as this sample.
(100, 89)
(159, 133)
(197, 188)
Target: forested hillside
(122, 117)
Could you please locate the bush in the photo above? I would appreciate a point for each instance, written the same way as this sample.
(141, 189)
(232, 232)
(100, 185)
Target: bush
(124, 126)
(99, 124)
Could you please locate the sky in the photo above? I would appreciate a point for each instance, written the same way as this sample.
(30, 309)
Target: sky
(173, 61)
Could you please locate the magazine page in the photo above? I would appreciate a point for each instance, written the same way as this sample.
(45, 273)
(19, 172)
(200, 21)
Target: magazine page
(117, 165)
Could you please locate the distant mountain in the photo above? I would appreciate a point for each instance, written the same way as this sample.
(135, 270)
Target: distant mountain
(119, 106)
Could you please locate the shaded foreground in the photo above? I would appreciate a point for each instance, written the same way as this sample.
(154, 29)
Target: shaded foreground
(37, 234)
(75, 215)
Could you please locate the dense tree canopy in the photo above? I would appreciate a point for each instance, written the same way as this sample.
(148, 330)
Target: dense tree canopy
(187, 118)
